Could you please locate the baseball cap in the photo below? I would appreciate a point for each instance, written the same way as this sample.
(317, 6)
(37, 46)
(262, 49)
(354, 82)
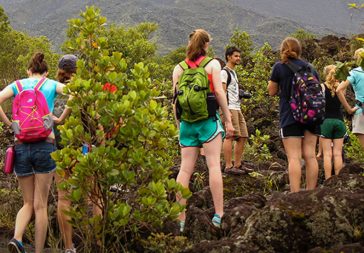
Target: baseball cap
(67, 62)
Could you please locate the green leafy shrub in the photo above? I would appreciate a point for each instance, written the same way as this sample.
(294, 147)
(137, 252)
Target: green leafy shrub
(257, 149)
(114, 111)
(353, 149)
(254, 78)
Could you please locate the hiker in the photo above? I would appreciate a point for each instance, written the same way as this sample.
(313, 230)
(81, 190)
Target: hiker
(230, 84)
(299, 140)
(33, 164)
(198, 127)
(356, 80)
(333, 128)
(66, 69)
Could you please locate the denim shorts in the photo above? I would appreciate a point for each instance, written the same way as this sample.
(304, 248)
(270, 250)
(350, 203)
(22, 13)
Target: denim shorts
(34, 158)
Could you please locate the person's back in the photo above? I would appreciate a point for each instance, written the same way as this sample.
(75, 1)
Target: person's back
(333, 128)
(33, 164)
(333, 107)
(206, 133)
(299, 139)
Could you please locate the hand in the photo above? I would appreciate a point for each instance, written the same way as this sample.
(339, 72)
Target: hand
(56, 120)
(353, 110)
(229, 129)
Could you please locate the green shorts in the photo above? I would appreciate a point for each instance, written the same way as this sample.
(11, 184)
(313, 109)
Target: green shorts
(333, 129)
(200, 132)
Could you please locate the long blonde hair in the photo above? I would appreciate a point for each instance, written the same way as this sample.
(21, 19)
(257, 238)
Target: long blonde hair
(290, 48)
(197, 43)
(330, 80)
(357, 54)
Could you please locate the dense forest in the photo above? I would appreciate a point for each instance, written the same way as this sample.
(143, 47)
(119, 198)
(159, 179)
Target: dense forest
(140, 160)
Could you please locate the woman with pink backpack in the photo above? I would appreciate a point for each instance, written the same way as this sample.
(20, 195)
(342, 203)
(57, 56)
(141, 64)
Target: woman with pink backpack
(34, 142)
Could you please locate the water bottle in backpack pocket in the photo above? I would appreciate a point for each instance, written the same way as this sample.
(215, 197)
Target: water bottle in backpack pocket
(212, 105)
(9, 160)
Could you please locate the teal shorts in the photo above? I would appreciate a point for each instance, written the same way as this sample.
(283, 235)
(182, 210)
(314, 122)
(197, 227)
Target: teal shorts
(333, 129)
(200, 132)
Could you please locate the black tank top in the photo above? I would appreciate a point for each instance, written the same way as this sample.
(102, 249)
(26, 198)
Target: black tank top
(333, 108)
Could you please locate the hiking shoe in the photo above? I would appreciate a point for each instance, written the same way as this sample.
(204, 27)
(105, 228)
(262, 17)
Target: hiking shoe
(234, 171)
(246, 169)
(14, 246)
(216, 220)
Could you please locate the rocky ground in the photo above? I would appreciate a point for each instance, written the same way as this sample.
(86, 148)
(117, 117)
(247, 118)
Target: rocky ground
(260, 213)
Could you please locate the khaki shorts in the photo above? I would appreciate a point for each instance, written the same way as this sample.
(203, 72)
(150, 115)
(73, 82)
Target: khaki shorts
(358, 124)
(239, 124)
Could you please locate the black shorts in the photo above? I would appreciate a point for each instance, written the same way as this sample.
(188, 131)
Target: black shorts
(298, 130)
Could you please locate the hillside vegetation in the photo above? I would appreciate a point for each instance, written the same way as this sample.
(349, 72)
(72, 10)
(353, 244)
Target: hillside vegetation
(265, 20)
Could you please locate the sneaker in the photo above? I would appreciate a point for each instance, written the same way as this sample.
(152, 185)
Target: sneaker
(234, 171)
(70, 250)
(216, 220)
(15, 246)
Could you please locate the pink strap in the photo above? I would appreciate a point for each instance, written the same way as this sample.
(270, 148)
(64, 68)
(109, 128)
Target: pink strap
(19, 86)
(40, 83)
(194, 64)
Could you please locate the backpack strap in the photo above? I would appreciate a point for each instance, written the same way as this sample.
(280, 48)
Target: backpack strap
(40, 83)
(200, 62)
(18, 86)
(228, 81)
(292, 66)
(204, 61)
(184, 65)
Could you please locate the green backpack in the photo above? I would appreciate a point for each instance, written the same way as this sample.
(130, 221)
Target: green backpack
(195, 101)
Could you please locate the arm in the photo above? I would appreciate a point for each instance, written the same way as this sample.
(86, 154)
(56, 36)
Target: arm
(175, 77)
(67, 111)
(340, 91)
(272, 88)
(221, 97)
(4, 95)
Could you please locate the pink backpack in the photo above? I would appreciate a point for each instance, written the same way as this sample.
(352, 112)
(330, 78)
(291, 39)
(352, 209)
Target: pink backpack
(32, 120)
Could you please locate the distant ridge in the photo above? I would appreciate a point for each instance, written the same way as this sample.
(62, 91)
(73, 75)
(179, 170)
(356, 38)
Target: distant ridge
(264, 20)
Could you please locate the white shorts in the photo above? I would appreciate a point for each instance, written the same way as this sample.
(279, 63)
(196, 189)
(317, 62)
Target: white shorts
(358, 123)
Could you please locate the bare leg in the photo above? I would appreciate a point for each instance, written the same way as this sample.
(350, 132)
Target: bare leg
(319, 153)
(25, 213)
(327, 150)
(239, 151)
(361, 139)
(293, 148)
(338, 155)
(309, 154)
(42, 185)
(188, 160)
(212, 152)
(228, 150)
(63, 206)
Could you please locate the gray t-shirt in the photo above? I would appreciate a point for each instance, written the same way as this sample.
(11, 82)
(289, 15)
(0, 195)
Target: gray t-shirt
(232, 89)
